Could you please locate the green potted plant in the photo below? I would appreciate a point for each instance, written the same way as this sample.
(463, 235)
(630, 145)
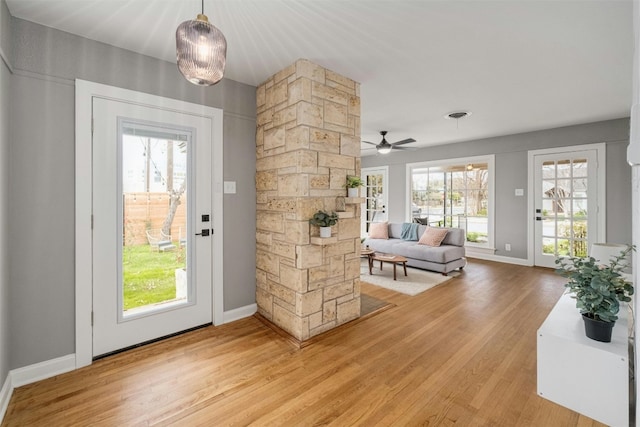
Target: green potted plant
(324, 220)
(598, 290)
(353, 185)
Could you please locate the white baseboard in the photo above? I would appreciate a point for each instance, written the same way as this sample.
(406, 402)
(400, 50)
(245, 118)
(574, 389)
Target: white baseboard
(31, 374)
(239, 313)
(504, 259)
(43, 370)
(5, 396)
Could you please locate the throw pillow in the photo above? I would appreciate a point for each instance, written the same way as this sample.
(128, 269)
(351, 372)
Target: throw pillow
(379, 230)
(432, 236)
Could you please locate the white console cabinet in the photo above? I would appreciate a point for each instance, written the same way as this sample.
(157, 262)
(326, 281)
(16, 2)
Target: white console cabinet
(587, 376)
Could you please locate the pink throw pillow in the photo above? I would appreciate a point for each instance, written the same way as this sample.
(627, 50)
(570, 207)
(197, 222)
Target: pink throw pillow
(379, 230)
(433, 236)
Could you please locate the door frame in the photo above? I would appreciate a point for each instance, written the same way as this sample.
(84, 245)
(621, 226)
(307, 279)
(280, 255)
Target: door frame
(601, 191)
(85, 92)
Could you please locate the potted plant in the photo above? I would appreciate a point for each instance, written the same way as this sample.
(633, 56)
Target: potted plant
(353, 184)
(324, 220)
(598, 290)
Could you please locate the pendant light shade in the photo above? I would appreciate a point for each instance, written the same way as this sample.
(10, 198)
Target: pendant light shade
(201, 50)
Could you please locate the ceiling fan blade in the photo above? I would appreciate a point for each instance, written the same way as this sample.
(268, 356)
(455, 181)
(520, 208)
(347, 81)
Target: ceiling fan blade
(404, 141)
(367, 142)
(405, 148)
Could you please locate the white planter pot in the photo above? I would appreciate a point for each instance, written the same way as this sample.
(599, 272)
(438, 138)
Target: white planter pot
(325, 231)
(181, 283)
(353, 192)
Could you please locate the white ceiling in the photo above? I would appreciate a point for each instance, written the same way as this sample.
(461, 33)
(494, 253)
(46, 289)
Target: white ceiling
(516, 65)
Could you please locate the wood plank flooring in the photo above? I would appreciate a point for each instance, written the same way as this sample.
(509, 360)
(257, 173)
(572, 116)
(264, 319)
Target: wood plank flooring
(462, 353)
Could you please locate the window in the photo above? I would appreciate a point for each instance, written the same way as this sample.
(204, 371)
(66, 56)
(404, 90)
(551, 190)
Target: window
(455, 193)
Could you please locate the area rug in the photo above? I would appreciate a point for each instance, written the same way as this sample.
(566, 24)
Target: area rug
(415, 282)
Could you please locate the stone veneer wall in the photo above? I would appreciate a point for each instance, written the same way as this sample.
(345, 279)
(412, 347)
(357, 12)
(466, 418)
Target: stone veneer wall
(307, 141)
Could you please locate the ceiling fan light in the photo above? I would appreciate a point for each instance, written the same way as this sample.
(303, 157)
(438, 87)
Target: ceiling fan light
(384, 150)
(201, 51)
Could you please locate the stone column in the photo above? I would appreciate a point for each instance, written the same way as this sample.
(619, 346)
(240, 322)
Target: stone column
(307, 142)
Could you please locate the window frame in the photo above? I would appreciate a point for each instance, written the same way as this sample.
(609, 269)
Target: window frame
(489, 246)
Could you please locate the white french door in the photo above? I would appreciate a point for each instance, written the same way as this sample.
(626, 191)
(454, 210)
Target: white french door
(568, 190)
(152, 223)
(376, 189)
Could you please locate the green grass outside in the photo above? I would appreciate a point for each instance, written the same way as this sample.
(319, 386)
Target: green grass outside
(149, 276)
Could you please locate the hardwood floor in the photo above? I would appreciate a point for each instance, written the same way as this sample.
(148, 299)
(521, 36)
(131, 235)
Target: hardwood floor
(463, 353)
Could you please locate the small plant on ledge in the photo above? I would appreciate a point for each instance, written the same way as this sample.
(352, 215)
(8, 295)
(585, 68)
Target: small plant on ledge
(354, 181)
(598, 290)
(353, 184)
(324, 220)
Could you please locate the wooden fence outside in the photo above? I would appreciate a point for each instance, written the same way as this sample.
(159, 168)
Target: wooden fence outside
(147, 211)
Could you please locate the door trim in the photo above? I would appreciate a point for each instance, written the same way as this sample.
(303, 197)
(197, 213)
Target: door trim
(85, 92)
(601, 200)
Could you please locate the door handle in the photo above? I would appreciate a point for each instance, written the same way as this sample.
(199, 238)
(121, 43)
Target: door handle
(203, 233)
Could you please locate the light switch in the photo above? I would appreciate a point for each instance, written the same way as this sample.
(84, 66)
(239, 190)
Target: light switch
(230, 187)
(519, 192)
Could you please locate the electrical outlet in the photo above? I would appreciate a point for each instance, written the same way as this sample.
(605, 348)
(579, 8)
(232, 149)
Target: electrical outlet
(507, 247)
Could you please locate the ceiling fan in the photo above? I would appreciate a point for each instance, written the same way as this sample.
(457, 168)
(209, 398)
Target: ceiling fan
(385, 147)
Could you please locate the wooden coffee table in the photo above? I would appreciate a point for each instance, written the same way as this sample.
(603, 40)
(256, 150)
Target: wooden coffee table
(393, 259)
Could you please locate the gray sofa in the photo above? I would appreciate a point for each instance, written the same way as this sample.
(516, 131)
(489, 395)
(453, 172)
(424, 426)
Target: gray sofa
(443, 259)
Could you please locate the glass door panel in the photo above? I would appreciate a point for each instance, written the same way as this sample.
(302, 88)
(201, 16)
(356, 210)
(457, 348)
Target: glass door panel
(154, 214)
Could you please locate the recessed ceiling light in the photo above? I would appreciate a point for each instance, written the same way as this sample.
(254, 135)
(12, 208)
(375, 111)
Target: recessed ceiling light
(457, 115)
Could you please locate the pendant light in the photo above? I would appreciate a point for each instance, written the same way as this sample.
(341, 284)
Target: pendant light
(201, 50)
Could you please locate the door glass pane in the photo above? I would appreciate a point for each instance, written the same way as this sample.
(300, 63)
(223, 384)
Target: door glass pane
(580, 168)
(564, 247)
(374, 193)
(154, 218)
(549, 227)
(548, 246)
(580, 207)
(548, 169)
(547, 207)
(563, 188)
(580, 187)
(579, 229)
(562, 207)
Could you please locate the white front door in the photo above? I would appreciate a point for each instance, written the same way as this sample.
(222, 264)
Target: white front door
(376, 187)
(152, 223)
(567, 218)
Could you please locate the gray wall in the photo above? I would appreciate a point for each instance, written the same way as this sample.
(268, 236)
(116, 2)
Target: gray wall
(41, 212)
(511, 172)
(5, 77)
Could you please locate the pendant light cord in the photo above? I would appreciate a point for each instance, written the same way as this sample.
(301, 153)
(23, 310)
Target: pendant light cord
(203, 7)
